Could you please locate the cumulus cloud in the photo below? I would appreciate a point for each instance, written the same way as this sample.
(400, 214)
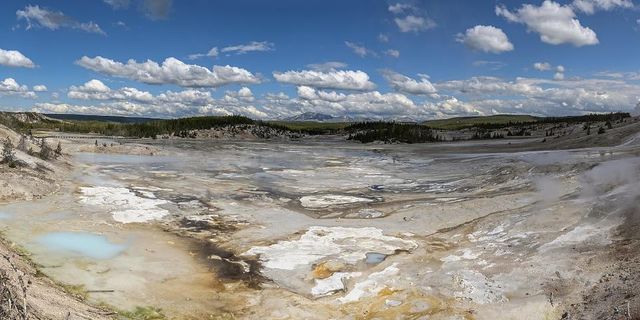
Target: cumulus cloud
(337, 79)
(156, 9)
(473, 96)
(409, 18)
(172, 71)
(97, 90)
(485, 39)
(413, 23)
(13, 58)
(40, 88)
(383, 38)
(10, 87)
(366, 104)
(544, 97)
(558, 76)
(369, 105)
(37, 17)
(400, 8)
(545, 66)
(542, 66)
(404, 84)
(392, 53)
(590, 6)
(131, 101)
(253, 46)
(555, 23)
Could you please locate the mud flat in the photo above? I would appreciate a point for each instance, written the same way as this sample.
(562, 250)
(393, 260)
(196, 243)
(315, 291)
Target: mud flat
(318, 230)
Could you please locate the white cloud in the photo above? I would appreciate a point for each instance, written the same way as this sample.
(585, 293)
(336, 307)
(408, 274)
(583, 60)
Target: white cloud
(370, 105)
(13, 58)
(392, 53)
(239, 49)
(253, 46)
(10, 87)
(131, 101)
(545, 66)
(40, 88)
(404, 84)
(409, 18)
(486, 39)
(117, 4)
(212, 53)
(156, 9)
(545, 97)
(479, 86)
(555, 23)
(97, 90)
(35, 16)
(413, 23)
(400, 8)
(366, 104)
(473, 96)
(327, 66)
(340, 79)
(172, 71)
(542, 66)
(590, 6)
(358, 49)
(383, 38)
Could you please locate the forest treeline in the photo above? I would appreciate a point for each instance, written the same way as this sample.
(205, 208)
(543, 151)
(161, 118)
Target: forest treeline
(365, 132)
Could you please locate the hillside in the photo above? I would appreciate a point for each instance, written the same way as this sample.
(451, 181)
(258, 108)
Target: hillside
(467, 122)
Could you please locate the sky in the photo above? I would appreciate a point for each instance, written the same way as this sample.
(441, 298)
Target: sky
(274, 59)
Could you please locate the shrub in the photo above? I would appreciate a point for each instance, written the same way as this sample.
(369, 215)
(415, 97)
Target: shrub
(46, 153)
(8, 155)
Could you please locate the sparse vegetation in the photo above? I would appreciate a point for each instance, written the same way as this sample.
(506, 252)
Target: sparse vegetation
(78, 291)
(8, 155)
(143, 313)
(46, 153)
(58, 150)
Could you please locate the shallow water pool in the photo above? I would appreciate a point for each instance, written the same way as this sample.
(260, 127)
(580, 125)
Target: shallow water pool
(81, 243)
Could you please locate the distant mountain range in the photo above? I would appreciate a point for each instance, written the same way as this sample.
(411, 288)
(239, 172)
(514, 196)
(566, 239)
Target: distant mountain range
(322, 117)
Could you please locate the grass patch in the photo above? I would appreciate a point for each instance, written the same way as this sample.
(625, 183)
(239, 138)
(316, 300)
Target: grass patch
(76, 290)
(142, 313)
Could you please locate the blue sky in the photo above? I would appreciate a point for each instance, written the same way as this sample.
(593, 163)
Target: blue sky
(273, 59)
